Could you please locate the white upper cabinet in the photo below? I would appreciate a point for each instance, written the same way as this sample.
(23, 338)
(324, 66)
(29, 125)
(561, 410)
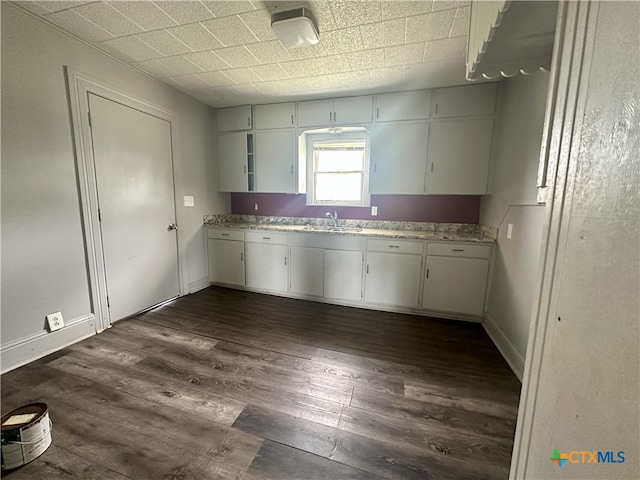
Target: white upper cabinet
(232, 162)
(233, 119)
(391, 107)
(276, 115)
(275, 154)
(458, 156)
(398, 158)
(339, 111)
(464, 101)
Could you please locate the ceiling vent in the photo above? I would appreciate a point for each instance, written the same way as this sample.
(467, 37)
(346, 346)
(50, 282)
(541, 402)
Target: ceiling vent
(295, 28)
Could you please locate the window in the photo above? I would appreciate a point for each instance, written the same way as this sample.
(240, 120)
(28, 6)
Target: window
(336, 167)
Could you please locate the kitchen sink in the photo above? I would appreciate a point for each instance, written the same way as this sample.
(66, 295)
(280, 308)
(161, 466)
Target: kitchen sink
(327, 228)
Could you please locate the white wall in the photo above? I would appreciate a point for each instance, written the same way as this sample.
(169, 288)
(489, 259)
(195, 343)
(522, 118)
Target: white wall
(521, 104)
(43, 259)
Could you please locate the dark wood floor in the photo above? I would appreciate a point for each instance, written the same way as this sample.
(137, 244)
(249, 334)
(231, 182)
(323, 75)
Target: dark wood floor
(226, 384)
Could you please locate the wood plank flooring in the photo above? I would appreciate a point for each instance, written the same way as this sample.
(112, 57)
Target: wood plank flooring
(225, 384)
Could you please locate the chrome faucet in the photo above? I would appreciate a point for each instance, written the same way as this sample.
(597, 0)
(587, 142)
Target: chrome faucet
(333, 217)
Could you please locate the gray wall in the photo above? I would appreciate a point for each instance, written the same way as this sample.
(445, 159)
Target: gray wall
(521, 105)
(43, 257)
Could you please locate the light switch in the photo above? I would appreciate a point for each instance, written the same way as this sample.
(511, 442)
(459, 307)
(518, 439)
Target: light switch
(374, 211)
(188, 201)
(509, 231)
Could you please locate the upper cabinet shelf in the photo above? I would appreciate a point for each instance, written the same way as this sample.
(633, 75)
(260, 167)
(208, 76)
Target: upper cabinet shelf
(510, 37)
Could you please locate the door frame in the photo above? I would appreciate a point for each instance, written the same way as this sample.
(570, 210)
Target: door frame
(80, 86)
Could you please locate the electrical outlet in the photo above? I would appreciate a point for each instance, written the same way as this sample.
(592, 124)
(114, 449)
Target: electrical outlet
(55, 321)
(255, 207)
(374, 211)
(509, 231)
(188, 201)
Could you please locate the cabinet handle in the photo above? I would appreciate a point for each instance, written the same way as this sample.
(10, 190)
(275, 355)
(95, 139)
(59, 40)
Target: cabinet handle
(375, 168)
(436, 111)
(432, 166)
(378, 112)
(291, 169)
(224, 234)
(248, 121)
(334, 116)
(244, 169)
(292, 119)
(427, 273)
(285, 261)
(394, 246)
(329, 116)
(266, 238)
(241, 257)
(367, 269)
(458, 250)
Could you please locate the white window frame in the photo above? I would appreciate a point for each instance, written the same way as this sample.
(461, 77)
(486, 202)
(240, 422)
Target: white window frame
(325, 135)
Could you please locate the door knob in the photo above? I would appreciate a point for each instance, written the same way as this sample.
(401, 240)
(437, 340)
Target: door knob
(173, 226)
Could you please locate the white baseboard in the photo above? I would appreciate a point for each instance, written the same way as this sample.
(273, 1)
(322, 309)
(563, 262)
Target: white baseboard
(510, 354)
(199, 284)
(22, 351)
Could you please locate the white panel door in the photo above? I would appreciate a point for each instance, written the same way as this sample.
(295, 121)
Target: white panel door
(275, 153)
(226, 261)
(398, 158)
(393, 279)
(455, 284)
(307, 271)
(267, 266)
(343, 274)
(232, 162)
(134, 175)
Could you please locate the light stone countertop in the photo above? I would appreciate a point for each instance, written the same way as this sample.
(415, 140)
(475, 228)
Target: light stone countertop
(363, 228)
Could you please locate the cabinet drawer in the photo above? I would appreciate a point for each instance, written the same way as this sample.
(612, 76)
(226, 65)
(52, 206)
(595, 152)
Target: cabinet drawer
(459, 250)
(225, 234)
(395, 246)
(266, 237)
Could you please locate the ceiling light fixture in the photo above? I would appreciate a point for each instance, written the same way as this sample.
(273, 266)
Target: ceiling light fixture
(295, 28)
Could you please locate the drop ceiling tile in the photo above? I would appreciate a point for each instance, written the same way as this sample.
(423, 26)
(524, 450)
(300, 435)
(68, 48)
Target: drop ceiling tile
(366, 59)
(242, 75)
(115, 52)
(439, 5)
(195, 36)
(180, 64)
(155, 68)
(383, 34)
(185, 12)
(350, 13)
(312, 67)
(231, 31)
(62, 5)
(296, 85)
(79, 26)
(248, 90)
(270, 72)
(460, 25)
(108, 18)
(259, 22)
(430, 26)
(237, 57)
(173, 82)
(39, 8)
(145, 14)
(340, 80)
(164, 42)
(270, 88)
(399, 9)
(216, 79)
(134, 47)
(386, 76)
(324, 17)
(341, 41)
(269, 52)
(448, 49)
(191, 81)
(207, 60)
(223, 9)
(308, 51)
(404, 54)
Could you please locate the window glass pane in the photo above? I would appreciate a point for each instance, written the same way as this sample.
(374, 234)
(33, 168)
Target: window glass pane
(338, 186)
(340, 160)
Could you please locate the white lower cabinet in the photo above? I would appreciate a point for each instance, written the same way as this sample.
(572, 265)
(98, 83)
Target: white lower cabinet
(456, 282)
(307, 271)
(393, 279)
(267, 264)
(226, 261)
(343, 274)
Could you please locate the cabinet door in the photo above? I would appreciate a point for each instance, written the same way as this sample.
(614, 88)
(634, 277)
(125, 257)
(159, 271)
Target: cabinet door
(455, 285)
(275, 156)
(307, 271)
(352, 110)
(464, 101)
(234, 118)
(314, 113)
(393, 279)
(232, 162)
(392, 107)
(343, 274)
(458, 158)
(226, 261)
(398, 158)
(267, 266)
(277, 115)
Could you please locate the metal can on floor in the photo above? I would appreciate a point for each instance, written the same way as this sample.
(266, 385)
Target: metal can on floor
(25, 435)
